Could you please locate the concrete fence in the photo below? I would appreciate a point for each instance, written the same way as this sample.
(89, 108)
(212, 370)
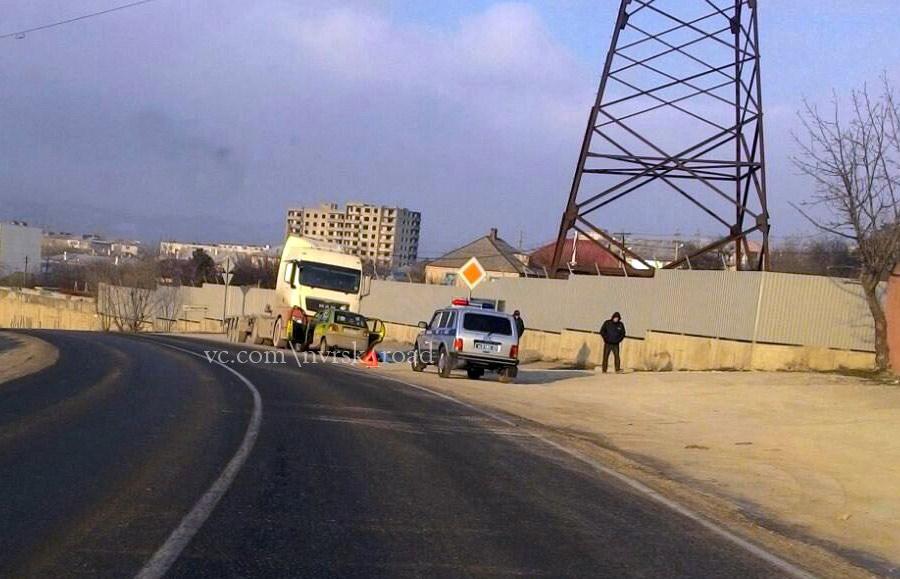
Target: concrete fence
(675, 320)
(25, 308)
(658, 351)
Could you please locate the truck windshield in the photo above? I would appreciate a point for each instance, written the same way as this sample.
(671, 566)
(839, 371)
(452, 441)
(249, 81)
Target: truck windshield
(487, 323)
(330, 277)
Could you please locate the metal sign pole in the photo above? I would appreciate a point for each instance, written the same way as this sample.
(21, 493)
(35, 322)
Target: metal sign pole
(227, 274)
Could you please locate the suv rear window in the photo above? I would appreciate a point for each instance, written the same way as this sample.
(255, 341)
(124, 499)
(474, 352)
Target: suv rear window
(487, 323)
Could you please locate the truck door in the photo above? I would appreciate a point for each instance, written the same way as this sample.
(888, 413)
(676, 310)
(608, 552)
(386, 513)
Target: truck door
(376, 332)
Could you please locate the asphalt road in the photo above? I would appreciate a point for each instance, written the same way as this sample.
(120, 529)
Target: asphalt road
(352, 475)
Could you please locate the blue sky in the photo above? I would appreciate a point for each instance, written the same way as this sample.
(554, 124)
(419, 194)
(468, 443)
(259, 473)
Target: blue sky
(206, 119)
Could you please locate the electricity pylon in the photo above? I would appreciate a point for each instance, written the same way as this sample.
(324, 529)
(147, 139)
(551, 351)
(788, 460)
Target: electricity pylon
(678, 118)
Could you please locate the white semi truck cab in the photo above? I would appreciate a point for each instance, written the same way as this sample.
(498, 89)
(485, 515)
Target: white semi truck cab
(312, 275)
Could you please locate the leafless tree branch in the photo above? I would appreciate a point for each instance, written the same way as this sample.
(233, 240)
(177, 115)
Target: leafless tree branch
(855, 166)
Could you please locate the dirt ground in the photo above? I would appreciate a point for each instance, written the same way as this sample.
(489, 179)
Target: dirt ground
(21, 355)
(812, 455)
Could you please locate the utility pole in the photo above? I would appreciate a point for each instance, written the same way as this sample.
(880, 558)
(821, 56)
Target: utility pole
(574, 251)
(623, 238)
(227, 274)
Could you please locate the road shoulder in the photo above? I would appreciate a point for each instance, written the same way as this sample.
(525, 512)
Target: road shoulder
(21, 355)
(664, 432)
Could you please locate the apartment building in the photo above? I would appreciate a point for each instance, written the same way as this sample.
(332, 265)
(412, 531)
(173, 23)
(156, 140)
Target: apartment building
(385, 235)
(256, 254)
(20, 248)
(55, 243)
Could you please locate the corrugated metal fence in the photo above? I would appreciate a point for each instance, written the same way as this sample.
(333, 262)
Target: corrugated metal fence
(749, 306)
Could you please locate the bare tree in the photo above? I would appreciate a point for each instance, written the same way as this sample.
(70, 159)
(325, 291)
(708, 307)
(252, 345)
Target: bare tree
(829, 256)
(855, 164)
(168, 301)
(125, 295)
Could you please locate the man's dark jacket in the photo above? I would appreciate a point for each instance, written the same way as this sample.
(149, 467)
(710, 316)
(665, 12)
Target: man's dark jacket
(612, 332)
(520, 326)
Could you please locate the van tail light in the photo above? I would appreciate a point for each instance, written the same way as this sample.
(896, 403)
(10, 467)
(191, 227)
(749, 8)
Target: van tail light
(457, 344)
(514, 351)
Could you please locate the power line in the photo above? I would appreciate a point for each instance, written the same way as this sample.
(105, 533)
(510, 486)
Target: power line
(21, 33)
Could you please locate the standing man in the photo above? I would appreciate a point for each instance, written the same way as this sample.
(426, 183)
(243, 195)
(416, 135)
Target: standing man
(520, 323)
(613, 332)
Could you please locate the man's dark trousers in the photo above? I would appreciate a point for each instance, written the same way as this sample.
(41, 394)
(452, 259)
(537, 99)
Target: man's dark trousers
(614, 348)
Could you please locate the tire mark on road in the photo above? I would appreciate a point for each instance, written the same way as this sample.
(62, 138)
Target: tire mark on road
(130, 495)
(68, 408)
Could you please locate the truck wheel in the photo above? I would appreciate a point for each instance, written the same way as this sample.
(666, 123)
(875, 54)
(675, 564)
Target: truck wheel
(254, 335)
(445, 363)
(299, 338)
(474, 373)
(415, 361)
(278, 334)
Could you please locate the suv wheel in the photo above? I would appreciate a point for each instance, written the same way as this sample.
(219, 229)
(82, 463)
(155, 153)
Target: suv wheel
(415, 361)
(506, 375)
(445, 363)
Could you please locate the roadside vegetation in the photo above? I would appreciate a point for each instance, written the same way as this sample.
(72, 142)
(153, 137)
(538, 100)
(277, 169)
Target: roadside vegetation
(853, 157)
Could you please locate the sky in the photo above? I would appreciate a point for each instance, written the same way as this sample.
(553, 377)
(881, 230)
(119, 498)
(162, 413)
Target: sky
(205, 120)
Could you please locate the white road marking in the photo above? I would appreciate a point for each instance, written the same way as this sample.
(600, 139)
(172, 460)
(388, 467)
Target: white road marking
(169, 552)
(771, 558)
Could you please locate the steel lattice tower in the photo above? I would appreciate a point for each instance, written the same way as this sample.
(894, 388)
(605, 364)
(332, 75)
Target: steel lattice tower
(677, 119)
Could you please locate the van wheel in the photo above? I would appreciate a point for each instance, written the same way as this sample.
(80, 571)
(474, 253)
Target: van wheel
(415, 361)
(278, 334)
(474, 373)
(445, 363)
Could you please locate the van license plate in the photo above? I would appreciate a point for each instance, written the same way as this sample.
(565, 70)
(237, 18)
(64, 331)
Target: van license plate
(487, 347)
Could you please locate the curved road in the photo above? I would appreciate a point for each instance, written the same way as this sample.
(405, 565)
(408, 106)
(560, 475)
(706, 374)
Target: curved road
(352, 475)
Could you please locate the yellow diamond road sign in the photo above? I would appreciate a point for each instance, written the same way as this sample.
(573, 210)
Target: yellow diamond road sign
(472, 273)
